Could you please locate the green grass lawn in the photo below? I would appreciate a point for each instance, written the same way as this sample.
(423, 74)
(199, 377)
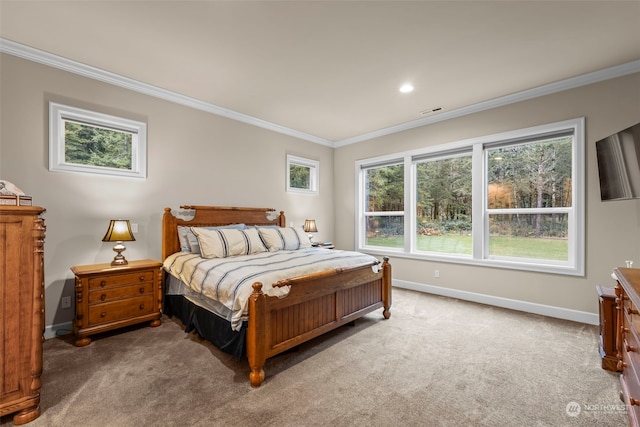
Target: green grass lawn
(524, 247)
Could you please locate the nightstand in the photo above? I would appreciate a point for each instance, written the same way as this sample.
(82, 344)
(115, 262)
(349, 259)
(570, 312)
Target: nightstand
(113, 297)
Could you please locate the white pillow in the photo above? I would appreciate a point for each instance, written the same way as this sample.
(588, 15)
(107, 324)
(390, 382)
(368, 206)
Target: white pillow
(287, 239)
(222, 243)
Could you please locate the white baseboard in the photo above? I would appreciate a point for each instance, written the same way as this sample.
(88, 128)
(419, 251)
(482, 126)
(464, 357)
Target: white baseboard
(58, 330)
(61, 329)
(529, 307)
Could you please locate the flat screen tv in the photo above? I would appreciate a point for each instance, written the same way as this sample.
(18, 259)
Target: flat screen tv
(619, 164)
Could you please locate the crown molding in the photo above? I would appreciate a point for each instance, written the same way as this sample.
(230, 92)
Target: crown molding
(55, 61)
(571, 83)
(35, 55)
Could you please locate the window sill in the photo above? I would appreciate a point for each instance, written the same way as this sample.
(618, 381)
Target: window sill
(467, 260)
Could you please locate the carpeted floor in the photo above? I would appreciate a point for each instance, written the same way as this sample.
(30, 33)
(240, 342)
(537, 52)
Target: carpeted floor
(436, 362)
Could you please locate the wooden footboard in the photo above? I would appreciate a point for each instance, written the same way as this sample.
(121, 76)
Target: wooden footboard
(315, 304)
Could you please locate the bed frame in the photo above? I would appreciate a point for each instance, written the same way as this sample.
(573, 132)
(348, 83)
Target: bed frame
(316, 303)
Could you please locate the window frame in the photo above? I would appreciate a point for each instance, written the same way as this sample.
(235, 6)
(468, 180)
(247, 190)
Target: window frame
(366, 213)
(59, 114)
(480, 217)
(314, 174)
(435, 156)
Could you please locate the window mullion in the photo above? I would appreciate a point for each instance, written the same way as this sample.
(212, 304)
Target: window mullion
(359, 225)
(409, 205)
(527, 211)
(479, 218)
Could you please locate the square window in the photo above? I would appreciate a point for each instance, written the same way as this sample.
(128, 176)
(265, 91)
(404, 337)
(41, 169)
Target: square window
(302, 175)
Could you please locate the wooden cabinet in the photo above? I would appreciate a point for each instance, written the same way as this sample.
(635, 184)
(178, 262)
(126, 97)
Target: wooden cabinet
(21, 311)
(608, 328)
(113, 297)
(628, 303)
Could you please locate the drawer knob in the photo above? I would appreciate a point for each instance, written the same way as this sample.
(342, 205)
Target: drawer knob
(142, 278)
(103, 314)
(141, 307)
(142, 290)
(103, 283)
(103, 297)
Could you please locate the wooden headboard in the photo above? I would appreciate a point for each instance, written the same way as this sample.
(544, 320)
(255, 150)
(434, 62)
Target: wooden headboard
(206, 216)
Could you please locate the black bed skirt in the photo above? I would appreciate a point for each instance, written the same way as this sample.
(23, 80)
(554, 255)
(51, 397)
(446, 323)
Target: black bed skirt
(209, 326)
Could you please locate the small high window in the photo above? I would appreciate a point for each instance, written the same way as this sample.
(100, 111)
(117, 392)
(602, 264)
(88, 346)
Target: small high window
(302, 175)
(90, 142)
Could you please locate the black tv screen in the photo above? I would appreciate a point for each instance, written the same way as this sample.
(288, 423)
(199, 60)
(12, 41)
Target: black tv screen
(619, 164)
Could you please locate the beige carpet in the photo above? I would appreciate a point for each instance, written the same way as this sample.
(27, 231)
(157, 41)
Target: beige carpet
(436, 362)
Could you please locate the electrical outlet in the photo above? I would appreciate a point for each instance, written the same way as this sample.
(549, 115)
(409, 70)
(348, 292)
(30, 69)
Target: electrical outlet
(134, 227)
(65, 302)
(437, 273)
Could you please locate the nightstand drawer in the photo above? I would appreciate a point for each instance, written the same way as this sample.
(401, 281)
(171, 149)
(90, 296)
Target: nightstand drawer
(131, 291)
(120, 310)
(120, 279)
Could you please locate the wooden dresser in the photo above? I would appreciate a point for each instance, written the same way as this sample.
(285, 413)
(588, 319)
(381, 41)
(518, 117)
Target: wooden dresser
(113, 297)
(21, 311)
(628, 342)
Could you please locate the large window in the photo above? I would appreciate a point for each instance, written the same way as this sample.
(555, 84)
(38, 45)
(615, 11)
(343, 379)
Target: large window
(384, 206)
(529, 199)
(513, 200)
(443, 204)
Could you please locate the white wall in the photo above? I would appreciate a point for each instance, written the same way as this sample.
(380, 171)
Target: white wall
(612, 228)
(193, 158)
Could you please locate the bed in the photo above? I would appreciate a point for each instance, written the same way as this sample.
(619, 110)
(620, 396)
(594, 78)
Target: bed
(280, 315)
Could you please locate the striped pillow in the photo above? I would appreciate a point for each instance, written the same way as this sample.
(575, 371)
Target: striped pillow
(192, 241)
(287, 239)
(222, 243)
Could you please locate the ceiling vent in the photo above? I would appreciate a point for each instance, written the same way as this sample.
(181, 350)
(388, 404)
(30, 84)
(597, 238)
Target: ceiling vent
(431, 111)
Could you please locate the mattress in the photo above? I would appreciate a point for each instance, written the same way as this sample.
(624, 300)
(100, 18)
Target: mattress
(222, 286)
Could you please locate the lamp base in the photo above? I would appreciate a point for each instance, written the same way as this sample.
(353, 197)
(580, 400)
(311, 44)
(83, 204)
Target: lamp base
(119, 259)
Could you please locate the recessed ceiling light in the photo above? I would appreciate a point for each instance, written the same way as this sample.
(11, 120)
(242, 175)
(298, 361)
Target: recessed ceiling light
(406, 88)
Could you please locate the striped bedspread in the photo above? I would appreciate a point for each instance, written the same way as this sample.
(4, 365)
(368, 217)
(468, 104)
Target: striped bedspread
(229, 280)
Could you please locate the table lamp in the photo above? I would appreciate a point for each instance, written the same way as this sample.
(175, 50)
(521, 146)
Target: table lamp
(119, 231)
(310, 227)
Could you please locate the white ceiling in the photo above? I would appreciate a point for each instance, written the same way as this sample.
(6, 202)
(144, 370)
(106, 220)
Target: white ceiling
(330, 70)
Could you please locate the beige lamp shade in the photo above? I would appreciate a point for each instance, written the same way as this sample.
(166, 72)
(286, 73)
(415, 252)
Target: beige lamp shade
(310, 226)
